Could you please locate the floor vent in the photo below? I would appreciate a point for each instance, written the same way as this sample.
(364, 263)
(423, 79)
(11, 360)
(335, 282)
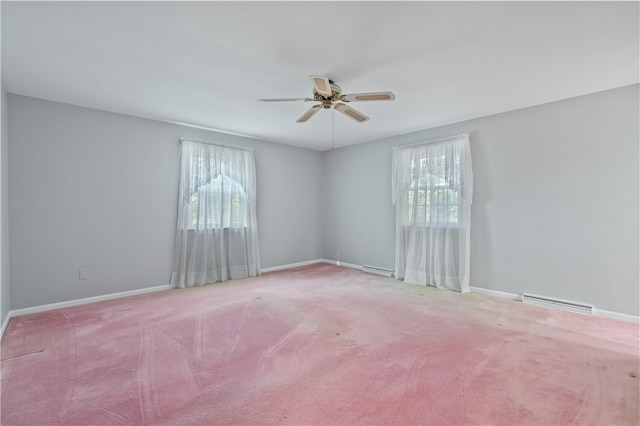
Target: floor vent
(565, 305)
(378, 271)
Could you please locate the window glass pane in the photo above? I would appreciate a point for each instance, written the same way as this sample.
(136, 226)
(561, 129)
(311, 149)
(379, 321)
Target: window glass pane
(432, 197)
(221, 203)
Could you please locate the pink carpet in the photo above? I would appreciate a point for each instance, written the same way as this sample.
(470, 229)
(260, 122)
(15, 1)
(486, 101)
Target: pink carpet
(318, 345)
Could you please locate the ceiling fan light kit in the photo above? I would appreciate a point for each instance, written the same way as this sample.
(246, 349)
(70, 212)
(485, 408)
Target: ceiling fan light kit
(329, 94)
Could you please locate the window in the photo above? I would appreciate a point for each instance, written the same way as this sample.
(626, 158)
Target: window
(221, 203)
(217, 230)
(432, 187)
(431, 197)
(218, 187)
(431, 206)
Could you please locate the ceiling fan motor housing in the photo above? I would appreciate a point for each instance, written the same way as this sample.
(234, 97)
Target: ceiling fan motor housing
(327, 101)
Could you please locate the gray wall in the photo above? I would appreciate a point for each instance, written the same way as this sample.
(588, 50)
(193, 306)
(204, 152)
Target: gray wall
(96, 190)
(555, 200)
(5, 294)
(555, 208)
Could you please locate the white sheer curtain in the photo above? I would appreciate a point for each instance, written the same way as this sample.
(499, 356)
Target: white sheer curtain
(432, 190)
(217, 233)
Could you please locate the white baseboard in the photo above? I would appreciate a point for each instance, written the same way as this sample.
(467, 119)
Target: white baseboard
(290, 265)
(596, 312)
(616, 316)
(310, 262)
(52, 306)
(495, 293)
(5, 323)
(346, 265)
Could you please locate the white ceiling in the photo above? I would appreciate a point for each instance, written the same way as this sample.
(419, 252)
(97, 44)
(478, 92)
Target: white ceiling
(207, 63)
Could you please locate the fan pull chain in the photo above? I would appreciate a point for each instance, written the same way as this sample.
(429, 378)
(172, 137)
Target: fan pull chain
(333, 130)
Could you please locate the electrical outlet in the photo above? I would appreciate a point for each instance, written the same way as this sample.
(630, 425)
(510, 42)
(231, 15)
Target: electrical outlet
(83, 274)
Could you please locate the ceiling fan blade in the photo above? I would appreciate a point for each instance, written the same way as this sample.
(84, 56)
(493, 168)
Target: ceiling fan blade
(375, 96)
(310, 112)
(322, 85)
(285, 99)
(351, 113)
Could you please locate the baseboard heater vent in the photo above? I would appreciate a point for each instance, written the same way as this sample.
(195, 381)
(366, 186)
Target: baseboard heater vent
(377, 271)
(581, 308)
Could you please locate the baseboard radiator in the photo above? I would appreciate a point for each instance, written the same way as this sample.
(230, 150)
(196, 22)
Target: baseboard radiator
(565, 305)
(377, 271)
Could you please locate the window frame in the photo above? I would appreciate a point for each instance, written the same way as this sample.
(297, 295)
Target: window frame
(420, 170)
(238, 195)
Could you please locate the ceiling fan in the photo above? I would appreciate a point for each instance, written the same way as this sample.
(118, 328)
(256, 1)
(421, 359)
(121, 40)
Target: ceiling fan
(329, 94)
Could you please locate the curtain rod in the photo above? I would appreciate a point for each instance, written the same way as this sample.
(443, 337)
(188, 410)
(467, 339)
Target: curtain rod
(214, 144)
(430, 141)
